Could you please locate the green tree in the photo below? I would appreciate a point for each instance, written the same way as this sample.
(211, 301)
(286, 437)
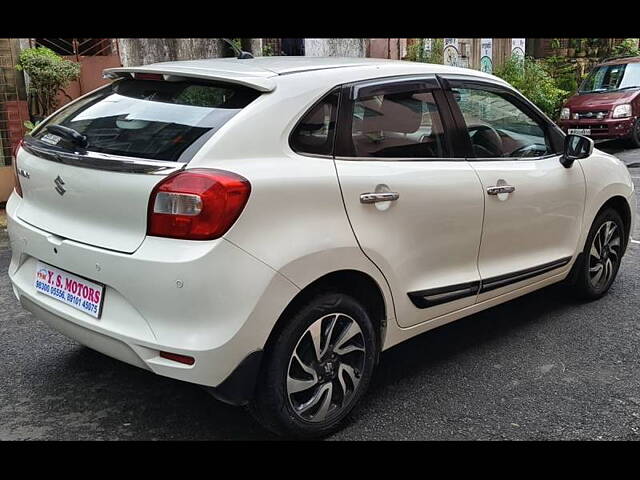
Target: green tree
(629, 46)
(533, 79)
(49, 74)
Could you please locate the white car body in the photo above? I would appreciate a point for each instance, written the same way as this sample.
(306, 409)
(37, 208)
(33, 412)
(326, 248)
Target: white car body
(219, 300)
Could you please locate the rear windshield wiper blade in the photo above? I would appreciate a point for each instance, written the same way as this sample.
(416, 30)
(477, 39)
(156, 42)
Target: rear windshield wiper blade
(69, 134)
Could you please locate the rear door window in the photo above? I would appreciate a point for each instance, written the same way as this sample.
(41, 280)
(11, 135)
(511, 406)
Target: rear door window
(150, 119)
(400, 123)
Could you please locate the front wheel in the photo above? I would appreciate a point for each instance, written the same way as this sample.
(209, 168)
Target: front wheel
(601, 256)
(317, 368)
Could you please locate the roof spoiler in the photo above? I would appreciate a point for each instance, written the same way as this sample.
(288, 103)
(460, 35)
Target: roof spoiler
(262, 84)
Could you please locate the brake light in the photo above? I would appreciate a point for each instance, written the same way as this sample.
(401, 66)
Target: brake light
(148, 76)
(197, 204)
(18, 187)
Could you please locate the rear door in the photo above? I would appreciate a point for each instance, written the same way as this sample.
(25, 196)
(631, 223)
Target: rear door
(416, 211)
(533, 205)
(136, 132)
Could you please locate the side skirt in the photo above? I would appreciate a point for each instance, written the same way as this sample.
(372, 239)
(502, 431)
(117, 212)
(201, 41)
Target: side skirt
(436, 296)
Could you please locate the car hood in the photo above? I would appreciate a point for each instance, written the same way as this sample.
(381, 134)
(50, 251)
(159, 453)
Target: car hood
(601, 100)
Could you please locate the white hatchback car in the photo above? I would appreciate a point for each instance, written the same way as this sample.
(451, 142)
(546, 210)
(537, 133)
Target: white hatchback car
(266, 227)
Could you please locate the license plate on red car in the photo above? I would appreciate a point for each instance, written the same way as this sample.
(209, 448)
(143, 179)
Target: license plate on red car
(77, 292)
(579, 131)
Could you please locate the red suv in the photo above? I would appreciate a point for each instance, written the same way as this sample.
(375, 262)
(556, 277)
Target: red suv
(607, 104)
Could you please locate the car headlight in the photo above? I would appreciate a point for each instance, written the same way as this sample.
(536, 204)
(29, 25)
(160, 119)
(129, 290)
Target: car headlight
(622, 111)
(565, 113)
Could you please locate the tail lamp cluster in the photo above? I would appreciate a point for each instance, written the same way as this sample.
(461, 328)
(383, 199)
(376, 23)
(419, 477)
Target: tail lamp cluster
(197, 204)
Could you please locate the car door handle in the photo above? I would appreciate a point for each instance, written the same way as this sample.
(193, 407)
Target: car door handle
(501, 189)
(374, 197)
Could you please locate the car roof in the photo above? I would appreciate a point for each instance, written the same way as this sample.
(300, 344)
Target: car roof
(620, 61)
(262, 73)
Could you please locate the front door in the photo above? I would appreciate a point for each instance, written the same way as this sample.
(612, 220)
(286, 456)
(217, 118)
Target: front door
(416, 212)
(533, 205)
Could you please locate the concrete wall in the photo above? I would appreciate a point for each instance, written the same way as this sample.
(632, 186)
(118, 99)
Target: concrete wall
(335, 47)
(141, 51)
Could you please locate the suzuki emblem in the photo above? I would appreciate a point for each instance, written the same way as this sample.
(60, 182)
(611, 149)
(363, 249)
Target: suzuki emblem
(59, 185)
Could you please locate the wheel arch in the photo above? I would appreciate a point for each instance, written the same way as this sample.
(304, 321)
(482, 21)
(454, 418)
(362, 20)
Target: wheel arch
(356, 283)
(621, 205)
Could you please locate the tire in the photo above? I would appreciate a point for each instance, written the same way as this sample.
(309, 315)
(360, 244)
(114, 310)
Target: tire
(634, 140)
(599, 257)
(347, 364)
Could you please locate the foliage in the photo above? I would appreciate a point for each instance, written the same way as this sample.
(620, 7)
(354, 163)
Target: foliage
(564, 73)
(416, 51)
(203, 96)
(629, 46)
(535, 81)
(267, 50)
(48, 74)
(30, 126)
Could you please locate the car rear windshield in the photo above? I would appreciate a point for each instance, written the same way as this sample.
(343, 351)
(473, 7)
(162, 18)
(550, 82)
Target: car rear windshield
(150, 119)
(608, 78)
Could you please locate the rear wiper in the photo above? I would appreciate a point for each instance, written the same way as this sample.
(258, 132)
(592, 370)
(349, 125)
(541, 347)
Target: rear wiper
(69, 134)
(626, 88)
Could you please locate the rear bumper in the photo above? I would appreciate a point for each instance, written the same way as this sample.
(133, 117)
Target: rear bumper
(606, 128)
(222, 313)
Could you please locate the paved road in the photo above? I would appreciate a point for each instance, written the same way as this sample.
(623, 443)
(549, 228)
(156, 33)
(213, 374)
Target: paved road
(540, 367)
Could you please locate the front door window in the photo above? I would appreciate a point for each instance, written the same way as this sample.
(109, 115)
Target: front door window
(498, 128)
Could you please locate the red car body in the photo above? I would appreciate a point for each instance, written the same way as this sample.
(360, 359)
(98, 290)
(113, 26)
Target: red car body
(593, 111)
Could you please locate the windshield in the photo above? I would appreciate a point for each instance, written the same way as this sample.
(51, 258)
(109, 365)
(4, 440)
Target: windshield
(150, 119)
(608, 78)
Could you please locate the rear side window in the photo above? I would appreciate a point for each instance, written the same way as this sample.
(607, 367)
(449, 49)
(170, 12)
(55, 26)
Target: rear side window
(151, 119)
(402, 124)
(315, 132)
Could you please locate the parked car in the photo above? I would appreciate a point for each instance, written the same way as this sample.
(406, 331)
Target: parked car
(267, 227)
(607, 104)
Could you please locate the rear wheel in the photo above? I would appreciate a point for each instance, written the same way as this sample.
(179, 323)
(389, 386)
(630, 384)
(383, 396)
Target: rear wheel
(317, 368)
(601, 256)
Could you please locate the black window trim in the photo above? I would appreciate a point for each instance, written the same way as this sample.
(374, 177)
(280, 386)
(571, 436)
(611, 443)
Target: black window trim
(332, 90)
(451, 81)
(343, 145)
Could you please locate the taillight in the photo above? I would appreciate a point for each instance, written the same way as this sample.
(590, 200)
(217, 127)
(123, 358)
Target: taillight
(18, 187)
(197, 204)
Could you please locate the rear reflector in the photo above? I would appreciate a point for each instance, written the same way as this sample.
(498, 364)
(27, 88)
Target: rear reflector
(176, 357)
(197, 204)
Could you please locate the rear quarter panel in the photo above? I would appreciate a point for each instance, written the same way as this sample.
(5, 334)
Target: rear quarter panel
(294, 220)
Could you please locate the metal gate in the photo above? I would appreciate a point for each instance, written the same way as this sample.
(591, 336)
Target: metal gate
(93, 54)
(12, 111)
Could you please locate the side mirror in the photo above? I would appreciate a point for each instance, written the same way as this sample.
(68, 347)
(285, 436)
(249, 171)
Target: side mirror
(575, 148)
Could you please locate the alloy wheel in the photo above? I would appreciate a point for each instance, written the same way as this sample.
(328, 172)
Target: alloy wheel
(325, 367)
(604, 254)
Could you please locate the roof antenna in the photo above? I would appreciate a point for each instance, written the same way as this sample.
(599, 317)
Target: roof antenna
(240, 54)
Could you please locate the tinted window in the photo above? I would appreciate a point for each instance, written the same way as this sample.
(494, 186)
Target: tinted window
(499, 128)
(397, 125)
(150, 119)
(315, 131)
